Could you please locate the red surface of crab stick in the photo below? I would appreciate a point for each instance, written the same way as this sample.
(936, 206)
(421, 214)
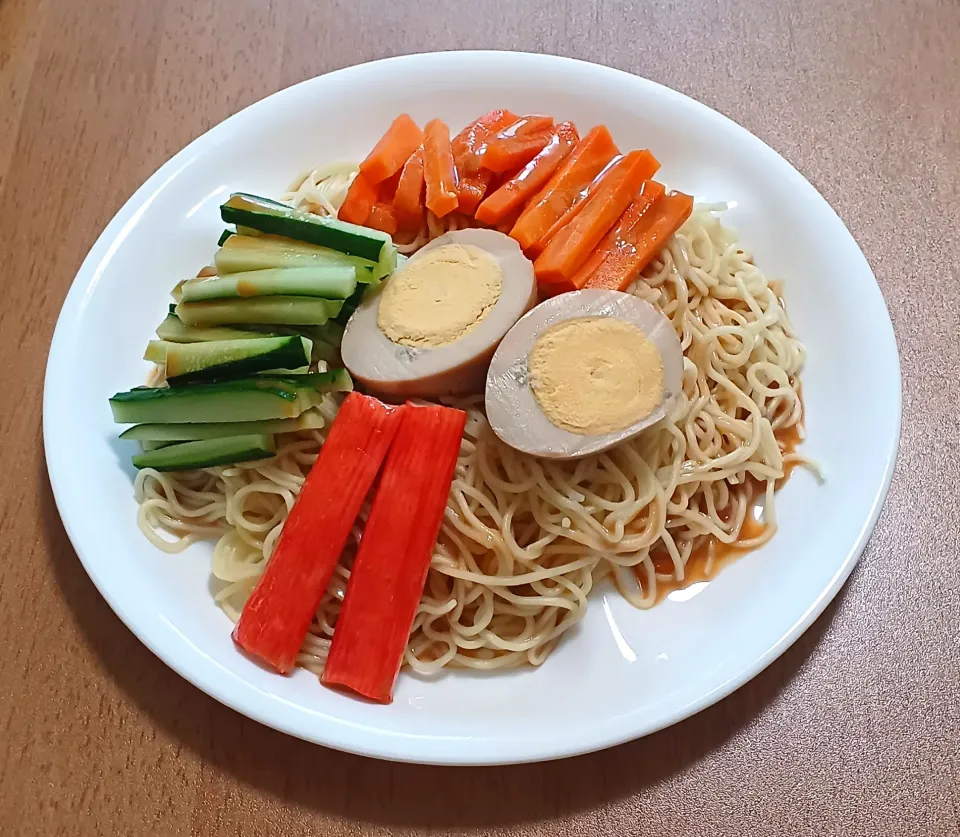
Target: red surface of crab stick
(390, 569)
(277, 615)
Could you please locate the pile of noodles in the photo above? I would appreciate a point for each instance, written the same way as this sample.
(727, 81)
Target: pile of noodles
(524, 540)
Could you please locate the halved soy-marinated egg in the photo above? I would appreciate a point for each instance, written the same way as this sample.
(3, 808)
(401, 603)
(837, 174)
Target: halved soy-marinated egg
(435, 325)
(583, 372)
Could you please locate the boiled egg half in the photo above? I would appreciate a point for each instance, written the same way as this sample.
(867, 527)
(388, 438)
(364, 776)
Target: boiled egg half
(434, 327)
(583, 372)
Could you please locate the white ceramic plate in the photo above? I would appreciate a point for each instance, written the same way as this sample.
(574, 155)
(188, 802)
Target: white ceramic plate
(623, 673)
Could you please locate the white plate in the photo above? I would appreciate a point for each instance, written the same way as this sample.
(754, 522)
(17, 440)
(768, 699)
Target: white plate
(623, 673)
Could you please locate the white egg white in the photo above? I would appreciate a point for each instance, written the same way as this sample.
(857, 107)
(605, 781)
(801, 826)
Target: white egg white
(397, 371)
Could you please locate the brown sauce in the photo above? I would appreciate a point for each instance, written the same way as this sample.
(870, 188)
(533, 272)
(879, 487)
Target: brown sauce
(711, 555)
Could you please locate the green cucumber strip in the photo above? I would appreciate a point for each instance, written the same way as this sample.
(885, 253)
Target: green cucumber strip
(160, 433)
(279, 219)
(207, 453)
(325, 281)
(249, 399)
(350, 305)
(222, 359)
(223, 237)
(333, 380)
(279, 310)
(243, 253)
(150, 444)
(173, 330)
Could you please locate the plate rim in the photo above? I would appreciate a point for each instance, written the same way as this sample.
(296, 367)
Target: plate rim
(386, 744)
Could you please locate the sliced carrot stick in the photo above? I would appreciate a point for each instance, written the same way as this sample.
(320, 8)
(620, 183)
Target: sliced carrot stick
(571, 246)
(275, 618)
(641, 244)
(408, 205)
(585, 162)
(470, 143)
(383, 218)
(531, 177)
(506, 154)
(495, 152)
(473, 181)
(438, 170)
(506, 223)
(580, 201)
(391, 565)
(361, 196)
(402, 138)
(387, 189)
(642, 205)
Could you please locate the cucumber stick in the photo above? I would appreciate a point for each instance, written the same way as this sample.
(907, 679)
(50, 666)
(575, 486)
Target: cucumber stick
(279, 219)
(241, 253)
(221, 359)
(334, 380)
(207, 453)
(280, 310)
(325, 281)
(167, 433)
(249, 399)
(282, 396)
(172, 330)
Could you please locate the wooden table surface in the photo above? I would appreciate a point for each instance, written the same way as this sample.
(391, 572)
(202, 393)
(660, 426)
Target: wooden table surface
(855, 731)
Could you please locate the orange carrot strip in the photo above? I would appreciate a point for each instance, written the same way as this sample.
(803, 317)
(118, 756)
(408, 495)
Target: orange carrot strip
(580, 201)
(571, 246)
(531, 178)
(642, 243)
(408, 206)
(470, 143)
(402, 138)
(584, 163)
(387, 189)
(361, 196)
(383, 218)
(641, 206)
(525, 126)
(473, 181)
(438, 170)
(506, 223)
(506, 154)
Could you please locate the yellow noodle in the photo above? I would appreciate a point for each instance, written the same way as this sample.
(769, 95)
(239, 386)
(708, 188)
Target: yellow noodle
(523, 541)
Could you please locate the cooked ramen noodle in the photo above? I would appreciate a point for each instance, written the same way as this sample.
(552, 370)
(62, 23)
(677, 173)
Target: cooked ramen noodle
(524, 540)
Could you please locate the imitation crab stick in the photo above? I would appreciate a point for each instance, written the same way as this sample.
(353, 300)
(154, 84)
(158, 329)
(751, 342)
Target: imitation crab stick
(408, 206)
(361, 196)
(402, 138)
(391, 565)
(438, 170)
(531, 177)
(277, 615)
(640, 207)
(472, 179)
(571, 246)
(592, 154)
(641, 243)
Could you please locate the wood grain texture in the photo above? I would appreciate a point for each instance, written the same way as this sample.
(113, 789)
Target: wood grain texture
(855, 731)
